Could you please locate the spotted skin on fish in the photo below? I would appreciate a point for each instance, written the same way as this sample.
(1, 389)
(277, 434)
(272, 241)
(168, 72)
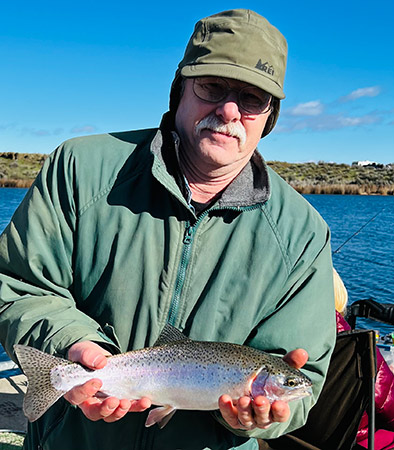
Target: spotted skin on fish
(176, 373)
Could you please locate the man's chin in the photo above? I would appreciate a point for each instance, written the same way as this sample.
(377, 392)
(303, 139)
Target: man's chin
(218, 154)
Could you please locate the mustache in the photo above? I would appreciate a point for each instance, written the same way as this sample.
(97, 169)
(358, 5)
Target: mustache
(213, 123)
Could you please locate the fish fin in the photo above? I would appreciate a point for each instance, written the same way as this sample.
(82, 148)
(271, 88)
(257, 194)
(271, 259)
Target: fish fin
(257, 383)
(170, 334)
(37, 366)
(160, 415)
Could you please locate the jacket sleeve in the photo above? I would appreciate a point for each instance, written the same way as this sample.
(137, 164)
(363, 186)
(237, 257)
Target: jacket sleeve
(304, 317)
(37, 305)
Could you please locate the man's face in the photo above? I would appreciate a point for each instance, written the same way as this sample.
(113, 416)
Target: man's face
(217, 135)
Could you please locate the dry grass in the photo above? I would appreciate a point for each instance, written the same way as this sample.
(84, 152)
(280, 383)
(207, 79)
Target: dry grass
(16, 184)
(11, 441)
(345, 189)
(332, 178)
(19, 169)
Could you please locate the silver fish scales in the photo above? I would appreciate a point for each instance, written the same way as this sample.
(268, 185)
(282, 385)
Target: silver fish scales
(176, 373)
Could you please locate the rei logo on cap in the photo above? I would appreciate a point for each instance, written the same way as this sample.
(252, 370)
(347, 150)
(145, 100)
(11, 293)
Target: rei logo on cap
(265, 67)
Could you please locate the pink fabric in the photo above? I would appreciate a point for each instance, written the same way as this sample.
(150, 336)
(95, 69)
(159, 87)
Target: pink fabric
(384, 440)
(384, 402)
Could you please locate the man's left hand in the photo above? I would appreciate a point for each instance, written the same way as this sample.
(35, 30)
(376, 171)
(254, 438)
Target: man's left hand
(247, 414)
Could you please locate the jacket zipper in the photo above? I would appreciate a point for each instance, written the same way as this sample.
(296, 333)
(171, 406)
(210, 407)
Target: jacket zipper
(188, 239)
(185, 258)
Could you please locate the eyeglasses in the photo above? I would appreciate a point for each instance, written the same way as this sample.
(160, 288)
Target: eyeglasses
(250, 98)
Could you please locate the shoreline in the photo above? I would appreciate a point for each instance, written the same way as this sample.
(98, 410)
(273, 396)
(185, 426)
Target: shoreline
(15, 183)
(328, 189)
(19, 170)
(344, 189)
(12, 391)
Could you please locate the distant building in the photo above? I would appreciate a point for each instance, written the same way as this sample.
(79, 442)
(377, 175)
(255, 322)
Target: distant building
(363, 163)
(368, 164)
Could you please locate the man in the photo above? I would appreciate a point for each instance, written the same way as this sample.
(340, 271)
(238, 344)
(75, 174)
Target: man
(121, 233)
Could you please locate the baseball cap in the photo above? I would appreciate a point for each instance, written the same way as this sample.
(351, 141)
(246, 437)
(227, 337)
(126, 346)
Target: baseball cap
(238, 44)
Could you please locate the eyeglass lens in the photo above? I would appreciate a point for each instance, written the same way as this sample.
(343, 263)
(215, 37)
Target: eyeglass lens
(250, 98)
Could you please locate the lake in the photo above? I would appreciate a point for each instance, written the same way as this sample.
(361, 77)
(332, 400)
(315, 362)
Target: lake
(365, 262)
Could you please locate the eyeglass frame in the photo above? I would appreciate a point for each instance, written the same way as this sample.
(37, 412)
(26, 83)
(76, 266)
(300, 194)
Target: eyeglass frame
(268, 107)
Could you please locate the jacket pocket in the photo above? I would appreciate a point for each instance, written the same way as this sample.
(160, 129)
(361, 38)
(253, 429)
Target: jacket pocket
(107, 332)
(52, 419)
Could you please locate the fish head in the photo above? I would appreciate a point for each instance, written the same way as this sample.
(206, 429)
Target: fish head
(288, 385)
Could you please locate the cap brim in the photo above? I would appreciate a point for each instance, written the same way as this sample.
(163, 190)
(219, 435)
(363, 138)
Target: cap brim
(235, 72)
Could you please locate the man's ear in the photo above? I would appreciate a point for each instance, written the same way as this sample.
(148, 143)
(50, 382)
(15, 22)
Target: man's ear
(273, 116)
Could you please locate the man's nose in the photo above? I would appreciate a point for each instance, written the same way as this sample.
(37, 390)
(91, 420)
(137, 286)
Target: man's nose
(228, 109)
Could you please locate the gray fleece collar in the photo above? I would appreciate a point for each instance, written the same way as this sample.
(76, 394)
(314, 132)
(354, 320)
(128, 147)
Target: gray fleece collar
(250, 187)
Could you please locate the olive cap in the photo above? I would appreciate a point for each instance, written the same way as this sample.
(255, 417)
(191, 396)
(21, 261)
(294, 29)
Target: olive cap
(238, 44)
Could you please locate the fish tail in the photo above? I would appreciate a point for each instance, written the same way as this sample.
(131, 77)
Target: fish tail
(160, 415)
(37, 366)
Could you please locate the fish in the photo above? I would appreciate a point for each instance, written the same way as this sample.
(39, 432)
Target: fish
(175, 373)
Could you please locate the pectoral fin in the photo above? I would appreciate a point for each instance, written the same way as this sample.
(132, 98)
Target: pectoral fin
(160, 415)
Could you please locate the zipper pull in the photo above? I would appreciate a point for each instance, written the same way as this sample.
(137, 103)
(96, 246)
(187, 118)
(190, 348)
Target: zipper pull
(188, 235)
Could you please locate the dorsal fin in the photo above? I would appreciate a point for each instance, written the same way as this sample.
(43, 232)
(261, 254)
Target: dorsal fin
(170, 334)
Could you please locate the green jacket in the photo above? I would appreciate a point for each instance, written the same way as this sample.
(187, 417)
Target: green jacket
(105, 247)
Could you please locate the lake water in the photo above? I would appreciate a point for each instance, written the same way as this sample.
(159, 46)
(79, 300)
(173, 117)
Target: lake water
(365, 262)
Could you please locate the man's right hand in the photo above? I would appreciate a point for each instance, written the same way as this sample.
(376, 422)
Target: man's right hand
(247, 414)
(109, 409)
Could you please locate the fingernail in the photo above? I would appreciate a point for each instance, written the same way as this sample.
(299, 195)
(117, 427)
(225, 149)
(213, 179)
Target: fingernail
(97, 360)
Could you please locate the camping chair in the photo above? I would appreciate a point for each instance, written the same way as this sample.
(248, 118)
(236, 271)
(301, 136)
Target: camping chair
(349, 390)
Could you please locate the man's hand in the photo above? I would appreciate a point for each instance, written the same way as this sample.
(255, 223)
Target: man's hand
(109, 409)
(247, 414)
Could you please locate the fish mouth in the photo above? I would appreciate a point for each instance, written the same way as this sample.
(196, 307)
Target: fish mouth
(305, 391)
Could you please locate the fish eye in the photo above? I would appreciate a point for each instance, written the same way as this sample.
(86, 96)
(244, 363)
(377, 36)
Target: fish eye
(291, 382)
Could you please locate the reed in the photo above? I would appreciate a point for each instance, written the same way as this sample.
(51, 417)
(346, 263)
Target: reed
(16, 183)
(344, 189)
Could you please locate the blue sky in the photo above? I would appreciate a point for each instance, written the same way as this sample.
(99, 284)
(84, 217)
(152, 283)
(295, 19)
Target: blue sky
(86, 67)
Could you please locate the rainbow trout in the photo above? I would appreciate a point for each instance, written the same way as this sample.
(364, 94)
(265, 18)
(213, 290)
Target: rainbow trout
(176, 373)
